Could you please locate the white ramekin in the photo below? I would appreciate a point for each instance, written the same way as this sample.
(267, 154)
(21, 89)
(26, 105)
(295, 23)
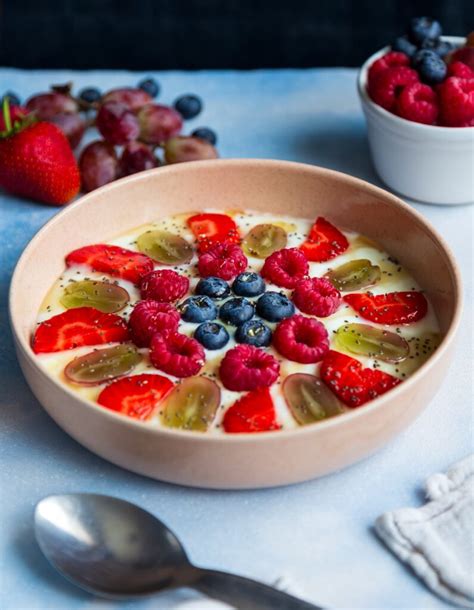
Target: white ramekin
(422, 162)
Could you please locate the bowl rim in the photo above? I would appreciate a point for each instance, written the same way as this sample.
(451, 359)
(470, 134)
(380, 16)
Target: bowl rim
(246, 437)
(399, 121)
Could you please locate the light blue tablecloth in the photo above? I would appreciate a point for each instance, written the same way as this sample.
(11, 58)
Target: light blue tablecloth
(317, 534)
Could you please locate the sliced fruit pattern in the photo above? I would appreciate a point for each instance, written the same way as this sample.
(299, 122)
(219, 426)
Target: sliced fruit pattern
(254, 412)
(177, 333)
(115, 261)
(102, 365)
(309, 399)
(192, 405)
(351, 382)
(372, 342)
(104, 296)
(210, 229)
(324, 242)
(392, 308)
(138, 396)
(78, 327)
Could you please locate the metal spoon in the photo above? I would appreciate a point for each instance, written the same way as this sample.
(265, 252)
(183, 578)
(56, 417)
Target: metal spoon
(115, 549)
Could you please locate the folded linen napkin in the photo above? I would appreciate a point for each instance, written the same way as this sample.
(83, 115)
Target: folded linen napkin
(437, 540)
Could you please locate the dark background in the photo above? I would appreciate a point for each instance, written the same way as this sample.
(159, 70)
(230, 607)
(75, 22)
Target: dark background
(191, 34)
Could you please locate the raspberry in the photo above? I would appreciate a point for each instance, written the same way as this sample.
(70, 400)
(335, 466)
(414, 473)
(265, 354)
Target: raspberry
(419, 103)
(285, 267)
(165, 285)
(246, 368)
(224, 260)
(176, 354)
(301, 339)
(150, 317)
(389, 60)
(388, 86)
(460, 69)
(456, 97)
(316, 296)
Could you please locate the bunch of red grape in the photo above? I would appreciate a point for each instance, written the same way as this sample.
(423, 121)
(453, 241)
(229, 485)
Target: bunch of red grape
(137, 133)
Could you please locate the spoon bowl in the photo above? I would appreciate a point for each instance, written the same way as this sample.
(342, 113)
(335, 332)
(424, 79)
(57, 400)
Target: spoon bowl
(108, 546)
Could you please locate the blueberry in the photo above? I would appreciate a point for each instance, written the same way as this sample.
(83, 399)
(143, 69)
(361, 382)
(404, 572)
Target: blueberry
(419, 57)
(90, 95)
(422, 28)
(211, 335)
(440, 47)
(150, 86)
(236, 311)
(204, 133)
(403, 45)
(274, 306)
(248, 284)
(254, 332)
(430, 66)
(213, 287)
(12, 98)
(198, 309)
(188, 106)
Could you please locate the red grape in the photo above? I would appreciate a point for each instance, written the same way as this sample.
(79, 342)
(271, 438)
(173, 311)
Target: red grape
(158, 123)
(117, 123)
(136, 157)
(72, 125)
(134, 99)
(98, 165)
(183, 148)
(47, 105)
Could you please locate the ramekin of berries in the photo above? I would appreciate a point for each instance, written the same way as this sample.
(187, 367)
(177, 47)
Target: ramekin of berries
(418, 99)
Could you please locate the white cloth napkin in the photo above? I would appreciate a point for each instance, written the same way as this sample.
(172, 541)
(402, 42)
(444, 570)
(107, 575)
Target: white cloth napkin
(437, 540)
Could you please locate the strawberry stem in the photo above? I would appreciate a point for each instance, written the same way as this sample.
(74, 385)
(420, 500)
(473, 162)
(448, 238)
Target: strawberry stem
(6, 114)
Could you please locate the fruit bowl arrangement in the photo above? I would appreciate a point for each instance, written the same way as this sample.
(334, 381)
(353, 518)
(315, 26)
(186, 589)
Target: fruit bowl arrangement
(284, 449)
(418, 100)
(137, 134)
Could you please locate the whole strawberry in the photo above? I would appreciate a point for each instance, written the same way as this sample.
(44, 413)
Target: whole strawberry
(36, 161)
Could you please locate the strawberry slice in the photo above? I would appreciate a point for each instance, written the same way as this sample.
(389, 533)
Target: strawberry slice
(137, 396)
(116, 261)
(324, 242)
(78, 327)
(209, 229)
(351, 382)
(390, 308)
(254, 412)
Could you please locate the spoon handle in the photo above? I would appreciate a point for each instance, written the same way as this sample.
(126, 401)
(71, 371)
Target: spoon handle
(246, 594)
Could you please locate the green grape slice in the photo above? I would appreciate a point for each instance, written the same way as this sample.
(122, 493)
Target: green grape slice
(104, 296)
(366, 340)
(192, 405)
(263, 240)
(165, 248)
(103, 365)
(309, 399)
(354, 275)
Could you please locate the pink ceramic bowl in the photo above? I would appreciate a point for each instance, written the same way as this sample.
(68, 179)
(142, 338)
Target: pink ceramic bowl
(243, 460)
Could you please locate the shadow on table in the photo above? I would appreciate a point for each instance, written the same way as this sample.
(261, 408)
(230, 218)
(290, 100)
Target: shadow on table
(341, 145)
